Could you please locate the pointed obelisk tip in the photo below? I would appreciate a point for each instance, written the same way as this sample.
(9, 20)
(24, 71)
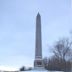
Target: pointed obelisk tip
(38, 14)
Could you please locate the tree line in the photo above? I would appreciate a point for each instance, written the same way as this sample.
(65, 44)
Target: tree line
(62, 58)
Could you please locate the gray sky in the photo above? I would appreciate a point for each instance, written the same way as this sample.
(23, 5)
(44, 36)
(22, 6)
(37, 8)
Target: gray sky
(17, 28)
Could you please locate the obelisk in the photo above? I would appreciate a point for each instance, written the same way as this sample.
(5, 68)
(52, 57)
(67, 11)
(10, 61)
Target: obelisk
(38, 62)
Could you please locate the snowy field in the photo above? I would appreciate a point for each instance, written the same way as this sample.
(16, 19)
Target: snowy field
(43, 71)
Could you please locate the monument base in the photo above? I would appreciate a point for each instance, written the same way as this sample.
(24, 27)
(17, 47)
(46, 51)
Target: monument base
(39, 69)
(38, 63)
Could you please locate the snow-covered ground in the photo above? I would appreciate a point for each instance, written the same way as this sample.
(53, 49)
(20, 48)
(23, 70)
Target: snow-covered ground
(43, 71)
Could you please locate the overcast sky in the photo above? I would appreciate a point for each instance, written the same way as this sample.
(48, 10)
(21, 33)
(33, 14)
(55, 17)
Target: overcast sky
(17, 28)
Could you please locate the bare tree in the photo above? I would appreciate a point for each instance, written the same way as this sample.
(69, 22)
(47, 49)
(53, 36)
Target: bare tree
(62, 58)
(62, 49)
(63, 53)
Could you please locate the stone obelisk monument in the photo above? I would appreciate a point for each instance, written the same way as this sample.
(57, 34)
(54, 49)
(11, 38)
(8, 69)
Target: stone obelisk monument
(38, 62)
